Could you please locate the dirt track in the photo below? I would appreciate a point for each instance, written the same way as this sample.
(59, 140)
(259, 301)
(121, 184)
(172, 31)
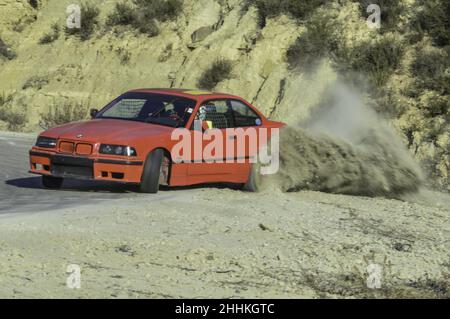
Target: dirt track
(210, 242)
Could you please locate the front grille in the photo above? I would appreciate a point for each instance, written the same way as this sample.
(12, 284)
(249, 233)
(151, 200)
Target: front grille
(67, 166)
(84, 149)
(69, 147)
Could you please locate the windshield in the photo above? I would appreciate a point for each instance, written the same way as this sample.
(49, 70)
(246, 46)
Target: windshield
(159, 109)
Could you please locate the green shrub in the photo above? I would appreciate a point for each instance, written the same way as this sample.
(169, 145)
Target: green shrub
(14, 120)
(36, 82)
(161, 10)
(89, 20)
(431, 70)
(377, 59)
(220, 70)
(294, 8)
(64, 113)
(6, 51)
(123, 14)
(34, 3)
(433, 18)
(51, 36)
(434, 104)
(314, 44)
(4, 99)
(144, 14)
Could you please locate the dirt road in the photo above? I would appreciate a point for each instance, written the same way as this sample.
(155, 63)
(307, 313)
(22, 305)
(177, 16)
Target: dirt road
(212, 242)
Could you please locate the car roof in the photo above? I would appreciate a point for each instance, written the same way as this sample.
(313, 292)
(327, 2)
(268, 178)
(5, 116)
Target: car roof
(188, 93)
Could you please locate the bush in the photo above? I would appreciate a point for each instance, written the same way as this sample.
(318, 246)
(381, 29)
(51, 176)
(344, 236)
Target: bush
(220, 70)
(6, 51)
(35, 82)
(434, 104)
(65, 113)
(34, 3)
(377, 59)
(14, 120)
(51, 36)
(294, 8)
(314, 44)
(89, 20)
(124, 14)
(161, 10)
(431, 69)
(433, 18)
(144, 14)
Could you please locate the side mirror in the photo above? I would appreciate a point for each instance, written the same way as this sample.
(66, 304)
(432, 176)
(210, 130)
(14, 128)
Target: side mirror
(93, 113)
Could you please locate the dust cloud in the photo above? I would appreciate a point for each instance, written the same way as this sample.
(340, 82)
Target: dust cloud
(344, 148)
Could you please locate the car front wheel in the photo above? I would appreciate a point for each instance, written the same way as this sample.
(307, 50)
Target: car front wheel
(52, 182)
(152, 170)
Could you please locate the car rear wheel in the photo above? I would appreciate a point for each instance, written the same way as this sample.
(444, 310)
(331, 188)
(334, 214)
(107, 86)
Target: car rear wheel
(152, 170)
(52, 182)
(254, 180)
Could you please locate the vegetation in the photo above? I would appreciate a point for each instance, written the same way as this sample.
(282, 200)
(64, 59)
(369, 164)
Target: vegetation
(51, 36)
(294, 8)
(36, 82)
(64, 113)
(316, 43)
(14, 120)
(34, 3)
(6, 51)
(89, 20)
(430, 67)
(432, 18)
(220, 70)
(143, 15)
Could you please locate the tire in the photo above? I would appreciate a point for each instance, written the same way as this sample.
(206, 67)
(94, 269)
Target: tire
(151, 173)
(254, 180)
(51, 182)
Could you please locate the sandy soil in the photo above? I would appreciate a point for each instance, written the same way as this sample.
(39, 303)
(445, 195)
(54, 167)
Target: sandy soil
(214, 242)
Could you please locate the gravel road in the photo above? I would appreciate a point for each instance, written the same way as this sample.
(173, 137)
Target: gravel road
(214, 242)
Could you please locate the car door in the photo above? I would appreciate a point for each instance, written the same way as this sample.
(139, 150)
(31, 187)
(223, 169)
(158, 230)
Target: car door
(247, 125)
(214, 158)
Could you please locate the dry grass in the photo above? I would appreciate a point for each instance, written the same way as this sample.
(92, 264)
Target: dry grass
(143, 15)
(64, 113)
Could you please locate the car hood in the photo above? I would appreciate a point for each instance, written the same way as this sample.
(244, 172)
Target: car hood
(107, 130)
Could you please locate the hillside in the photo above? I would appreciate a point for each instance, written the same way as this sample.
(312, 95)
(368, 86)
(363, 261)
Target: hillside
(283, 56)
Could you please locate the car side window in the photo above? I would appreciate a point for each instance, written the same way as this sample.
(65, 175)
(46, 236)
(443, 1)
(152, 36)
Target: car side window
(216, 114)
(244, 116)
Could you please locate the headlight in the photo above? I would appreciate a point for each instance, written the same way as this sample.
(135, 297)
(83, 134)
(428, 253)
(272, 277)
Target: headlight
(117, 150)
(46, 142)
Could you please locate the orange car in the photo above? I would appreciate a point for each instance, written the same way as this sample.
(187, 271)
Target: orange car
(134, 139)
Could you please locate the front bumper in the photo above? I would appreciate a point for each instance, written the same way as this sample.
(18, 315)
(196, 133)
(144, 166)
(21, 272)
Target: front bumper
(90, 168)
